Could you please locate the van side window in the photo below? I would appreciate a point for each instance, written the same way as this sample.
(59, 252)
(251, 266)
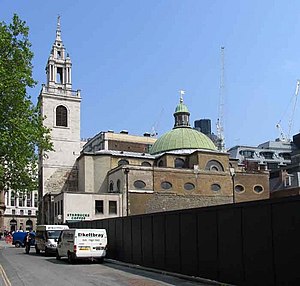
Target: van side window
(60, 236)
(40, 234)
(68, 235)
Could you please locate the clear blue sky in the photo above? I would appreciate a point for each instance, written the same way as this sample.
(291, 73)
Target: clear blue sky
(130, 58)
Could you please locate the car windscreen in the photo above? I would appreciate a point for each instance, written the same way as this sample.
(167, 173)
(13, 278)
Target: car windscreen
(52, 234)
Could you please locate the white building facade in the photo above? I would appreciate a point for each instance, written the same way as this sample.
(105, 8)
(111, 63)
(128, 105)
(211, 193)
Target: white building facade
(21, 211)
(60, 106)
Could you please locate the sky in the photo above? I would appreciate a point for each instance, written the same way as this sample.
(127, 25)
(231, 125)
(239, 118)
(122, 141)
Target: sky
(131, 57)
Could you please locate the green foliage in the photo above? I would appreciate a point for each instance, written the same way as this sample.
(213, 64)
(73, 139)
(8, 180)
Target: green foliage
(21, 126)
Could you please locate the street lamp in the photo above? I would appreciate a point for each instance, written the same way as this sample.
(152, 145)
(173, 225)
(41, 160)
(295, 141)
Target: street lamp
(232, 174)
(126, 171)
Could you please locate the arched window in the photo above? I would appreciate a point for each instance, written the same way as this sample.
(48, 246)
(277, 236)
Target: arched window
(13, 225)
(179, 163)
(123, 162)
(214, 165)
(160, 163)
(29, 225)
(61, 116)
(111, 186)
(146, 164)
(119, 186)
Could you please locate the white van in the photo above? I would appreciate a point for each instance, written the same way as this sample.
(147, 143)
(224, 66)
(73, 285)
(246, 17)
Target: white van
(82, 244)
(46, 238)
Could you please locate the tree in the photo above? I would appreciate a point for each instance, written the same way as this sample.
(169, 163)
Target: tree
(22, 134)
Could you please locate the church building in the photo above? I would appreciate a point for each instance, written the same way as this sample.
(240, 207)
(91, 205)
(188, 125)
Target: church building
(119, 174)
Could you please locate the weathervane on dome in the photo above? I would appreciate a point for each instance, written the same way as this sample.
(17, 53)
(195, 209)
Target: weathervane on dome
(182, 92)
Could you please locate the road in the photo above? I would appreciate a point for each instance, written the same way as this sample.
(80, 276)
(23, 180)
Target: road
(35, 270)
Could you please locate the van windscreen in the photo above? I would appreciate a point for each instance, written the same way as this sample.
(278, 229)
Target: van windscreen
(52, 234)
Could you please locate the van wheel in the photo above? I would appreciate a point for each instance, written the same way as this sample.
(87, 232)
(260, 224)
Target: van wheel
(17, 244)
(37, 251)
(100, 260)
(57, 255)
(70, 258)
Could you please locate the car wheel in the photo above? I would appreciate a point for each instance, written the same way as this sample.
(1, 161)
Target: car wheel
(100, 260)
(37, 251)
(57, 255)
(70, 258)
(17, 244)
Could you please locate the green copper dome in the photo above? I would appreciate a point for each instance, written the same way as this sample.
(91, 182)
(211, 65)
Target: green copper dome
(182, 138)
(181, 107)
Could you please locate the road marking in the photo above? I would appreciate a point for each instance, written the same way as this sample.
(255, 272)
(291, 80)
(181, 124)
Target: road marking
(4, 276)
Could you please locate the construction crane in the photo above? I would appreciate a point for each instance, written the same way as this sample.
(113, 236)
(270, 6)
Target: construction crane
(220, 126)
(282, 135)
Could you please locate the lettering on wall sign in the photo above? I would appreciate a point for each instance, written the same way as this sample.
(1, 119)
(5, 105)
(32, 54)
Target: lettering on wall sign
(77, 216)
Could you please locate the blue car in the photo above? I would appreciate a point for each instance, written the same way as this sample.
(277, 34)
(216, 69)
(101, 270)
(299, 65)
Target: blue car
(19, 238)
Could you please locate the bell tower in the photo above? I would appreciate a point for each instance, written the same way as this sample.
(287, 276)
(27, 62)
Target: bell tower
(60, 106)
(59, 64)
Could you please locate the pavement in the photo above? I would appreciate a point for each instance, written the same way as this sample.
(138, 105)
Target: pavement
(4, 244)
(182, 276)
(3, 277)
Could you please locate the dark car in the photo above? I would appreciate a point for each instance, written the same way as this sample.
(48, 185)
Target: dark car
(19, 238)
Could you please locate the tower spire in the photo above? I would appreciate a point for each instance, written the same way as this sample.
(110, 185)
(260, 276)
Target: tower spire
(58, 30)
(59, 66)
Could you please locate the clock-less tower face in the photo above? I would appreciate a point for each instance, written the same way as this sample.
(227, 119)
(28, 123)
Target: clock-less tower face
(60, 106)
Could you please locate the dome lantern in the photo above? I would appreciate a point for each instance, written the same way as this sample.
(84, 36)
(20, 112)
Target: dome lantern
(182, 114)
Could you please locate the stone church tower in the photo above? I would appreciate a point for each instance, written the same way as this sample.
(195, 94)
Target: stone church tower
(60, 106)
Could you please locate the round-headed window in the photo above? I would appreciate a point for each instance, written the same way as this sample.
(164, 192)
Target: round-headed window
(239, 188)
(111, 186)
(166, 185)
(179, 163)
(146, 164)
(119, 186)
(258, 189)
(139, 184)
(215, 187)
(61, 116)
(214, 165)
(189, 186)
(123, 162)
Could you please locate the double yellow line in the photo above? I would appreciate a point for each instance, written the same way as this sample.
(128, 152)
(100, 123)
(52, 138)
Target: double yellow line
(4, 276)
